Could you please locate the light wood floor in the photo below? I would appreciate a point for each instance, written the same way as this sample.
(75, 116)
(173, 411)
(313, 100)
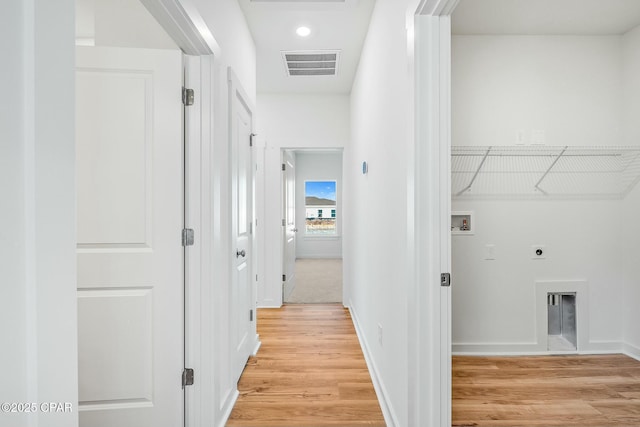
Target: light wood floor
(309, 372)
(602, 391)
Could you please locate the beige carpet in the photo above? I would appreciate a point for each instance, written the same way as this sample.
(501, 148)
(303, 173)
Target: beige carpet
(317, 281)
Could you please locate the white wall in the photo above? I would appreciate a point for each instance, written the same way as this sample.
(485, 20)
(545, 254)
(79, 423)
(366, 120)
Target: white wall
(37, 264)
(318, 167)
(570, 87)
(629, 223)
(494, 305)
(289, 121)
(229, 28)
(126, 23)
(567, 86)
(376, 247)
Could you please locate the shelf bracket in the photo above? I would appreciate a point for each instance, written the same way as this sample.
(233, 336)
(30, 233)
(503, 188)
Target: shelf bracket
(537, 186)
(484, 159)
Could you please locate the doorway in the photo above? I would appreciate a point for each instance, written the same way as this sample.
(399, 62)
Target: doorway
(312, 235)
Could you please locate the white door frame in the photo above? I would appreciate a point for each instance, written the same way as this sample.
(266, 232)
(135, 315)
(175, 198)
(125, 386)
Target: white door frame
(181, 20)
(284, 197)
(429, 302)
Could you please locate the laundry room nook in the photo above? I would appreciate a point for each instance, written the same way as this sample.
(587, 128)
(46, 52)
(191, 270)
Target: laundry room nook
(545, 165)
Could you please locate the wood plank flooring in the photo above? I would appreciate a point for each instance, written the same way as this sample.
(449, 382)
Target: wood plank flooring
(586, 391)
(309, 372)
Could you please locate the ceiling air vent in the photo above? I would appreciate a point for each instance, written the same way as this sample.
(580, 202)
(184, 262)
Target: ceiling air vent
(315, 63)
(297, 1)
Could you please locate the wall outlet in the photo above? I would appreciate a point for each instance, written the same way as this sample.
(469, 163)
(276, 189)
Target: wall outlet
(538, 252)
(380, 333)
(520, 137)
(489, 252)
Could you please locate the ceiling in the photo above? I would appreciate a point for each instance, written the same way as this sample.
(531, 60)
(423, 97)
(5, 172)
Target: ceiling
(341, 25)
(557, 17)
(336, 25)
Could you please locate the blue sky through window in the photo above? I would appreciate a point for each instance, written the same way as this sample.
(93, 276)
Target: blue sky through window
(320, 189)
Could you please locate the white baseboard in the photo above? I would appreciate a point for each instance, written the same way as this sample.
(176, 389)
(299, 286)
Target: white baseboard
(390, 417)
(319, 256)
(531, 349)
(257, 346)
(265, 304)
(603, 347)
(495, 349)
(631, 351)
(228, 408)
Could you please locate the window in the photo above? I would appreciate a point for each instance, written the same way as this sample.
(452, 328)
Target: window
(320, 207)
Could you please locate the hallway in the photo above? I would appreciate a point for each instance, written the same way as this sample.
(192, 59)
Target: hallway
(310, 371)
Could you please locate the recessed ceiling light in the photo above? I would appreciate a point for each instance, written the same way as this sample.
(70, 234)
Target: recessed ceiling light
(303, 31)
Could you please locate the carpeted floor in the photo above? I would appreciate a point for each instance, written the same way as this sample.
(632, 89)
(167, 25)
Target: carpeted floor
(317, 281)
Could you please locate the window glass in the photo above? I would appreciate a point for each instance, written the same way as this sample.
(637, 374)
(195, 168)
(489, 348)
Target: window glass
(320, 207)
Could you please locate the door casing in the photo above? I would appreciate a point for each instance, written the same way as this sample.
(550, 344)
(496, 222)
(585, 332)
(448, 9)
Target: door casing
(289, 223)
(429, 302)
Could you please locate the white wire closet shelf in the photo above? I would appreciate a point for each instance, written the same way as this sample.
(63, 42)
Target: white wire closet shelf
(543, 172)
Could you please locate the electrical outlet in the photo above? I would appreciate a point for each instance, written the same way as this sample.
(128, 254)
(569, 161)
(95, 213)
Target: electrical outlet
(489, 252)
(380, 333)
(520, 137)
(538, 252)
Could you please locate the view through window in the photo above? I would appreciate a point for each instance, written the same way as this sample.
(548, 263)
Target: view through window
(320, 204)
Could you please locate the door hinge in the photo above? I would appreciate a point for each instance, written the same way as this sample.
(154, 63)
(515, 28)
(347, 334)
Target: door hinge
(188, 96)
(253, 135)
(188, 237)
(445, 279)
(284, 222)
(251, 315)
(187, 377)
(251, 227)
(284, 277)
(284, 167)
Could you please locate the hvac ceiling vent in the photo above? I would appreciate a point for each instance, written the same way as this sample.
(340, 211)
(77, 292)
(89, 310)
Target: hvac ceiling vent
(298, 1)
(311, 63)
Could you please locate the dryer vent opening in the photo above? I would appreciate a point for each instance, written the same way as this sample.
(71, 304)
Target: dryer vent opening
(561, 309)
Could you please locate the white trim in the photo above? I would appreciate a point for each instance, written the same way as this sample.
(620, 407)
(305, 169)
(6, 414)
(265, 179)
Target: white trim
(182, 21)
(390, 417)
(430, 400)
(200, 300)
(193, 254)
(227, 408)
(270, 303)
(631, 351)
(531, 349)
(437, 7)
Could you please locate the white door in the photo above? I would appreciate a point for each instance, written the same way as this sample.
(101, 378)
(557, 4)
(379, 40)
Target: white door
(130, 258)
(289, 224)
(242, 299)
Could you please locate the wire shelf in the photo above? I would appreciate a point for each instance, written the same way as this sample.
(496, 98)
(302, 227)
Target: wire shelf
(543, 172)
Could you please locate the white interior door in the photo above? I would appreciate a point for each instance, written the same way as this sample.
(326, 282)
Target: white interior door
(130, 258)
(242, 299)
(289, 226)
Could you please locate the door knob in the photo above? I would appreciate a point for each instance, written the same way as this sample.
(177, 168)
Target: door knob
(241, 253)
(295, 230)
